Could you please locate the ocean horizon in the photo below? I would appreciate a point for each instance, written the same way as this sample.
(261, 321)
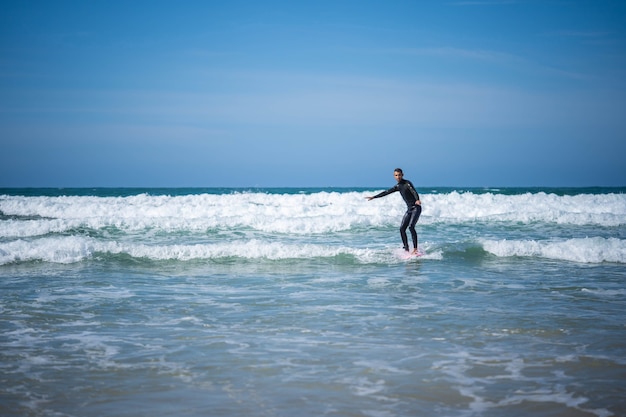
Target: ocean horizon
(116, 191)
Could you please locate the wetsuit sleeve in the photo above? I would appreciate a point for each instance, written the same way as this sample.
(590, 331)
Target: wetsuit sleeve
(387, 192)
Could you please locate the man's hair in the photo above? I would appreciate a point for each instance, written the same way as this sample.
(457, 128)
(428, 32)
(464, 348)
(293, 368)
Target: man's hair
(398, 170)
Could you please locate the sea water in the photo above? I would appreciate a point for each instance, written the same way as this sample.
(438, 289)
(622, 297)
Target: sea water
(299, 302)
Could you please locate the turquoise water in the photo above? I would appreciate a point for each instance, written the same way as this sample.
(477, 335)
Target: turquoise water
(282, 302)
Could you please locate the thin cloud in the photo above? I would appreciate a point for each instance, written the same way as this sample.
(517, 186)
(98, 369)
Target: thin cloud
(579, 34)
(484, 3)
(585, 37)
(494, 57)
(452, 52)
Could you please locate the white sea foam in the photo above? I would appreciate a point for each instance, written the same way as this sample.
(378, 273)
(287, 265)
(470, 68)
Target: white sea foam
(70, 249)
(582, 209)
(506, 369)
(605, 293)
(21, 228)
(586, 250)
(258, 225)
(303, 214)
(293, 214)
(57, 250)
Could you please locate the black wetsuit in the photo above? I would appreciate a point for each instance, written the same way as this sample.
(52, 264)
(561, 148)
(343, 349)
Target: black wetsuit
(410, 196)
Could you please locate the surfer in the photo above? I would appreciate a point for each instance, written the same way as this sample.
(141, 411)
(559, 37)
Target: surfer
(413, 204)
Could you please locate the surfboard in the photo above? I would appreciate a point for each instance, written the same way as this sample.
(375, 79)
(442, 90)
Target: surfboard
(411, 255)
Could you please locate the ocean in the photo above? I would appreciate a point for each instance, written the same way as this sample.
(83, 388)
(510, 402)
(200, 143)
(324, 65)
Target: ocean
(299, 302)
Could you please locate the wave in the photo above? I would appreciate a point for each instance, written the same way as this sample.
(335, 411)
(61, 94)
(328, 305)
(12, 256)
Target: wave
(582, 209)
(324, 224)
(584, 250)
(73, 249)
(295, 214)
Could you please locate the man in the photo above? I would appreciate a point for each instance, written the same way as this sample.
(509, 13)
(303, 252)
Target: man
(413, 204)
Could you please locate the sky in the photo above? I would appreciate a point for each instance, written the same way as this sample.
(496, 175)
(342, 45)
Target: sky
(312, 93)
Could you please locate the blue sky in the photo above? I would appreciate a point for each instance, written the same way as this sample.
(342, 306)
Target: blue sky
(320, 93)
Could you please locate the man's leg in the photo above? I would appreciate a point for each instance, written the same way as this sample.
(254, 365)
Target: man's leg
(415, 215)
(406, 220)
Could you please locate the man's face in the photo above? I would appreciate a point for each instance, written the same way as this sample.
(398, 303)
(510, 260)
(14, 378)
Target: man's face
(397, 175)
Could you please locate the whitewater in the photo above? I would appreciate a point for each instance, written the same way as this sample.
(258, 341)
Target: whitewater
(300, 301)
(65, 229)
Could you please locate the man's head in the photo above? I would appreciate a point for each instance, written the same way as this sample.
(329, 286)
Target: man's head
(398, 174)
